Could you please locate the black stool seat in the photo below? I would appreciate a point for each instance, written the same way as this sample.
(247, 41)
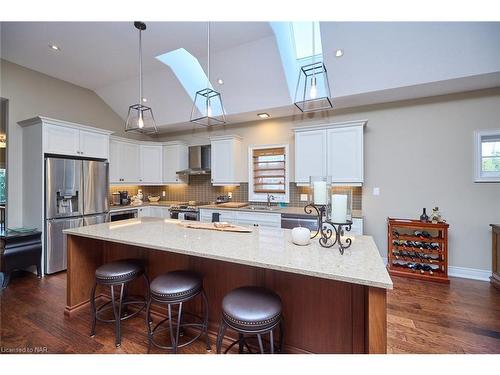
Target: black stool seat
(176, 285)
(251, 308)
(120, 271)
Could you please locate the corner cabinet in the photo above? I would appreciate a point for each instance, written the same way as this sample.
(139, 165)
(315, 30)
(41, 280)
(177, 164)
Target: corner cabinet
(226, 160)
(334, 150)
(124, 161)
(151, 170)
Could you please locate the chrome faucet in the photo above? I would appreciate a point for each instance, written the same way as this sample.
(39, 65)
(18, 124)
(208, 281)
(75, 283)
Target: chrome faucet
(270, 198)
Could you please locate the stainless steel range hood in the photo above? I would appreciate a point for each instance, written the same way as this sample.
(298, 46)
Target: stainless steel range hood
(199, 161)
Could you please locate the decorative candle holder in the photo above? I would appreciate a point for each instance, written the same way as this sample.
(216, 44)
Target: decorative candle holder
(330, 232)
(320, 189)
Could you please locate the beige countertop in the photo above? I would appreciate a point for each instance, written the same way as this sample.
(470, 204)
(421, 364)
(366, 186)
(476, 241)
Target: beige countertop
(269, 248)
(275, 209)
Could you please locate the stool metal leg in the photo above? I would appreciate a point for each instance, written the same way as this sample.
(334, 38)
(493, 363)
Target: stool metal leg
(205, 302)
(93, 310)
(171, 329)
(148, 323)
(117, 313)
(240, 343)
(179, 316)
(271, 341)
(261, 347)
(220, 336)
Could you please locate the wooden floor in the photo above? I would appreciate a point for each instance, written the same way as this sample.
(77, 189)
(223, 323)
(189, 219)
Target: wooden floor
(423, 317)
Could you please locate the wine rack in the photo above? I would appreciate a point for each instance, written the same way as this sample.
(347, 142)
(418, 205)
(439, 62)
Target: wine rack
(417, 249)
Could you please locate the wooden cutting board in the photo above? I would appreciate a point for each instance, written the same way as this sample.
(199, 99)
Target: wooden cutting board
(233, 204)
(211, 226)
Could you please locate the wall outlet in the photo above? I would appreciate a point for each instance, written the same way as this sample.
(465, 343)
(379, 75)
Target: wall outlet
(230, 194)
(376, 191)
(163, 193)
(303, 197)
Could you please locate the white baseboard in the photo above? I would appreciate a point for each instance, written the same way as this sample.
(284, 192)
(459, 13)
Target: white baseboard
(464, 272)
(469, 273)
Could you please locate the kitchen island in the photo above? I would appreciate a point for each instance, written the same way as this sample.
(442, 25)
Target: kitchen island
(332, 303)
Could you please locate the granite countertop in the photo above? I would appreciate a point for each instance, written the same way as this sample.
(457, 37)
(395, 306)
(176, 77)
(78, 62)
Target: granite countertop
(144, 204)
(269, 248)
(276, 209)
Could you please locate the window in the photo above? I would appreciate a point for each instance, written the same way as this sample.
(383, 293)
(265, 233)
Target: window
(302, 38)
(487, 156)
(268, 173)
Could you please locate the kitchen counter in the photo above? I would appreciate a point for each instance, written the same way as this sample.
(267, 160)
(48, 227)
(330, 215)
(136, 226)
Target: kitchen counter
(332, 303)
(275, 209)
(264, 247)
(144, 204)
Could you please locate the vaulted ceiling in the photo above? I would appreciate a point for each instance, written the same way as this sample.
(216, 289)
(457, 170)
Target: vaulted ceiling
(381, 62)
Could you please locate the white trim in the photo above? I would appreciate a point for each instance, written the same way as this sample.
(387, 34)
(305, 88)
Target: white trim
(478, 175)
(254, 197)
(68, 124)
(463, 272)
(469, 273)
(331, 125)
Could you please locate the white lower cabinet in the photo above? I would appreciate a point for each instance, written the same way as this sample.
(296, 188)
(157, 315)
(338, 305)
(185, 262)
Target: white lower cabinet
(259, 219)
(144, 211)
(160, 212)
(225, 215)
(356, 227)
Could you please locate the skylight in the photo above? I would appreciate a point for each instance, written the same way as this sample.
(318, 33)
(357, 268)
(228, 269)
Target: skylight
(302, 38)
(187, 69)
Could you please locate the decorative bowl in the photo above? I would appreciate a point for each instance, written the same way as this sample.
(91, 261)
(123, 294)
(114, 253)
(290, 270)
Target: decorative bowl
(153, 199)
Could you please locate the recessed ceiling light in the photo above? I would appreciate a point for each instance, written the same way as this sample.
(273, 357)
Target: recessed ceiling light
(144, 100)
(220, 81)
(54, 47)
(263, 115)
(339, 53)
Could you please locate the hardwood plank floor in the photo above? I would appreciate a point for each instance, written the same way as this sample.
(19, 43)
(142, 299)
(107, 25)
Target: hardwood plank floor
(423, 317)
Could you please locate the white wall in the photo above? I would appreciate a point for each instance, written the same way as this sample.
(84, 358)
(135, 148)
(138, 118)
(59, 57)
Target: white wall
(419, 153)
(31, 94)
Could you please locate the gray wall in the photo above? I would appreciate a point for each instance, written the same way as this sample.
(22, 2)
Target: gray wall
(32, 94)
(420, 154)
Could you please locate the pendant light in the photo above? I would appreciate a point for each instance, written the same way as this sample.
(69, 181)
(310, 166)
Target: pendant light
(313, 90)
(140, 117)
(207, 107)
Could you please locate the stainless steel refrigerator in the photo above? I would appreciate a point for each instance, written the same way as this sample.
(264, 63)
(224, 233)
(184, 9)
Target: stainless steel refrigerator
(76, 194)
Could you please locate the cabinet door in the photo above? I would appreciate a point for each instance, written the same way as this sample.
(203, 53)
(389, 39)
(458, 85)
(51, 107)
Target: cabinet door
(114, 162)
(175, 158)
(60, 140)
(222, 161)
(345, 154)
(129, 165)
(143, 211)
(151, 164)
(310, 155)
(259, 219)
(94, 145)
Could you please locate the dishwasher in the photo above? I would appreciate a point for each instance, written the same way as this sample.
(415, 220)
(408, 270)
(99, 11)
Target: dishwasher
(290, 221)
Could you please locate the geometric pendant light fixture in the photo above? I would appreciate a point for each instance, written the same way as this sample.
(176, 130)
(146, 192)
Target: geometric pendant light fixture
(207, 107)
(313, 90)
(140, 117)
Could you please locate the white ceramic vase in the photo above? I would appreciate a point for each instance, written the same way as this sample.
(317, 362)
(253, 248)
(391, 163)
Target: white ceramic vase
(301, 236)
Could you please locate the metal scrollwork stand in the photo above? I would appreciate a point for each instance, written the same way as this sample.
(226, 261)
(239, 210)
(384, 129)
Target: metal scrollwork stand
(330, 233)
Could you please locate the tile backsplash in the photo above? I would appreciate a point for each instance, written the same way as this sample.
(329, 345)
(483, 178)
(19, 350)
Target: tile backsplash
(200, 189)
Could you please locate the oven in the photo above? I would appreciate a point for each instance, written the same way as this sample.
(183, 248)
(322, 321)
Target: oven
(123, 214)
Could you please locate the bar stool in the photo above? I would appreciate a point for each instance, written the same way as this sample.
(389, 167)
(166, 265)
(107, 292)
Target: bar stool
(251, 310)
(176, 288)
(117, 273)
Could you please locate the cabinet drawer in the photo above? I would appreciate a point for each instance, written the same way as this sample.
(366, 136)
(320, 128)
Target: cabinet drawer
(259, 218)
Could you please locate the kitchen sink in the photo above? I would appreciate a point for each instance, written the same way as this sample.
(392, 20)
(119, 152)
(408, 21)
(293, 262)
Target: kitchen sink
(264, 208)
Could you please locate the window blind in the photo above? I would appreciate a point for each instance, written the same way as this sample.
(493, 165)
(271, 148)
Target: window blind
(269, 170)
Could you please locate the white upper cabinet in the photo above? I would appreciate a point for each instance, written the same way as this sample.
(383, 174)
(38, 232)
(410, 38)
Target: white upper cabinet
(65, 138)
(61, 140)
(345, 154)
(310, 155)
(334, 150)
(151, 164)
(124, 162)
(94, 144)
(226, 163)
(175, 158)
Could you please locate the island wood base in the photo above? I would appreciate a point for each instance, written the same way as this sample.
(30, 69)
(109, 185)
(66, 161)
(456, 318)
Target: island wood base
(321, 316)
